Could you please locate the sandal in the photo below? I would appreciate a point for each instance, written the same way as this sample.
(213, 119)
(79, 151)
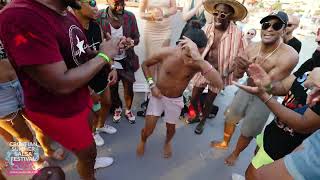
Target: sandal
(141, 113)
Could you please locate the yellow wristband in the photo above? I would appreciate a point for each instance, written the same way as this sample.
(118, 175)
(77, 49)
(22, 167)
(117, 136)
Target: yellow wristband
(104, 57)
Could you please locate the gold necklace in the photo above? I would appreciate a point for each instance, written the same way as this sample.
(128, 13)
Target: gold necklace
(270, 54)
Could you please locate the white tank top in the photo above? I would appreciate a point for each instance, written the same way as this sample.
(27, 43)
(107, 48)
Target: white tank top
(118, 33)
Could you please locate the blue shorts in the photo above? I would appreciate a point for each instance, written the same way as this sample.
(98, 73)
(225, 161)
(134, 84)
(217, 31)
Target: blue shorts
(305, 164)
(11, 97)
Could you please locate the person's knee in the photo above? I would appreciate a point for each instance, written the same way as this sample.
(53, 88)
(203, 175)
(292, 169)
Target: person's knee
(171, 128)
(147, 131)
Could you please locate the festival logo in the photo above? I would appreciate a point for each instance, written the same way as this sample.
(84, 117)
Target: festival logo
(21, 158)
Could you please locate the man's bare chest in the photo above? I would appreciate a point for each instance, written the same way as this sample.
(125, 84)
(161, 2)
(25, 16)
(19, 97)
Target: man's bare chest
(176, 70)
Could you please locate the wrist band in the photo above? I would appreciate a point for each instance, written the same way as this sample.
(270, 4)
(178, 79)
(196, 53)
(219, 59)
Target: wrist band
(150, 80)
(268, 99)
(104, 57)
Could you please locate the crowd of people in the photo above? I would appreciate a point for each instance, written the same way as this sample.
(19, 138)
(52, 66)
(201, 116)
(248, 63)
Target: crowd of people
(61, 63)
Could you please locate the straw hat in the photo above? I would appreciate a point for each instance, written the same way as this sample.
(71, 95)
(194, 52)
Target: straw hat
(240, 11)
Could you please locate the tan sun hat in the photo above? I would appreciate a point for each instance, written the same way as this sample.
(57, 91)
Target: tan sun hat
(240, 11)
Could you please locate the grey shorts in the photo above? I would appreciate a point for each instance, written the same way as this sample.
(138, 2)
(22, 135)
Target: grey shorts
(11, 98)
(253, 111)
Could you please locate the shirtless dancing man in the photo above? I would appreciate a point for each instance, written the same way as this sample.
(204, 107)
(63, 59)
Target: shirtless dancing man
(278, 60)
(167, 90)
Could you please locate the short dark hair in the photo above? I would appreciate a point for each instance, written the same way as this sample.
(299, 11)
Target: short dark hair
(196, 34)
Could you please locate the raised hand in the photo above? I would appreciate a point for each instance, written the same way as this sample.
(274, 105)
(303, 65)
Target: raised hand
(190, 48)
(126, 43)
(313, 83)
(313, 79)
(259, 76)
(249, 89)
(313, 96)
(110, 47)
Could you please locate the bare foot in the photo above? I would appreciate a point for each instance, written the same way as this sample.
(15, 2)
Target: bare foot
(167, 151)
(231, 159)
(219, 145)
(140, 149)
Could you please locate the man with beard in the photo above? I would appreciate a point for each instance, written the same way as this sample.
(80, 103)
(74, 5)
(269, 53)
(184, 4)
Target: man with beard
(48, 48)
(278, 60)
(225, 42)
(288, 37)
(118, 22)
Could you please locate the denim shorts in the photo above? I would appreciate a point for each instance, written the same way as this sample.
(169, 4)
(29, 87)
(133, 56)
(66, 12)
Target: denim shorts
(305, 164)
(11, 97)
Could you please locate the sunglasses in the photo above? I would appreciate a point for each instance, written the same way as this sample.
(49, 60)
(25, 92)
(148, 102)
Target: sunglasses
(250, 33)
(276, 26)
(92, 3)
(222, 14)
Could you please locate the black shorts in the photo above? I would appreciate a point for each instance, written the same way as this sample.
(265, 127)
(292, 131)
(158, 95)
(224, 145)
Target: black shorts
(100, 81)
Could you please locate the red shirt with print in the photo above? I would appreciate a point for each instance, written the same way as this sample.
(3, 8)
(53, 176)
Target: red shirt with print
(33, 34)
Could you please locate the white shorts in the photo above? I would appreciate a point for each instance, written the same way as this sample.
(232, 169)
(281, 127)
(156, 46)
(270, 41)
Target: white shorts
(170, 106)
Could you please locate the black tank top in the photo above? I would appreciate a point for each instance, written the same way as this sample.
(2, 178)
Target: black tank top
(100, 80)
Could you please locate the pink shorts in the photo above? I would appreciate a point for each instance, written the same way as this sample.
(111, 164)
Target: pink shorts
(170, 106)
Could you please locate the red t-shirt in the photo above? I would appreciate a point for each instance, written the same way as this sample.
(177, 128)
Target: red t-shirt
(33, 34)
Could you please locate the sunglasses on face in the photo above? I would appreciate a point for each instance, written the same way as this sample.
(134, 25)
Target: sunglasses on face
(276, 26)
(250, 33)
(92, 3)
(222, 14)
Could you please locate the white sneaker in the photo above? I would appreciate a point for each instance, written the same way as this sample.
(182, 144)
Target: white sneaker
(131, 118)
(98, 139)
(102, 162)
(236, 176)
(107, 129)
(117, 115)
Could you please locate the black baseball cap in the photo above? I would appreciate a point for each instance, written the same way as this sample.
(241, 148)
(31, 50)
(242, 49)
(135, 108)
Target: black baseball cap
(282, 16)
